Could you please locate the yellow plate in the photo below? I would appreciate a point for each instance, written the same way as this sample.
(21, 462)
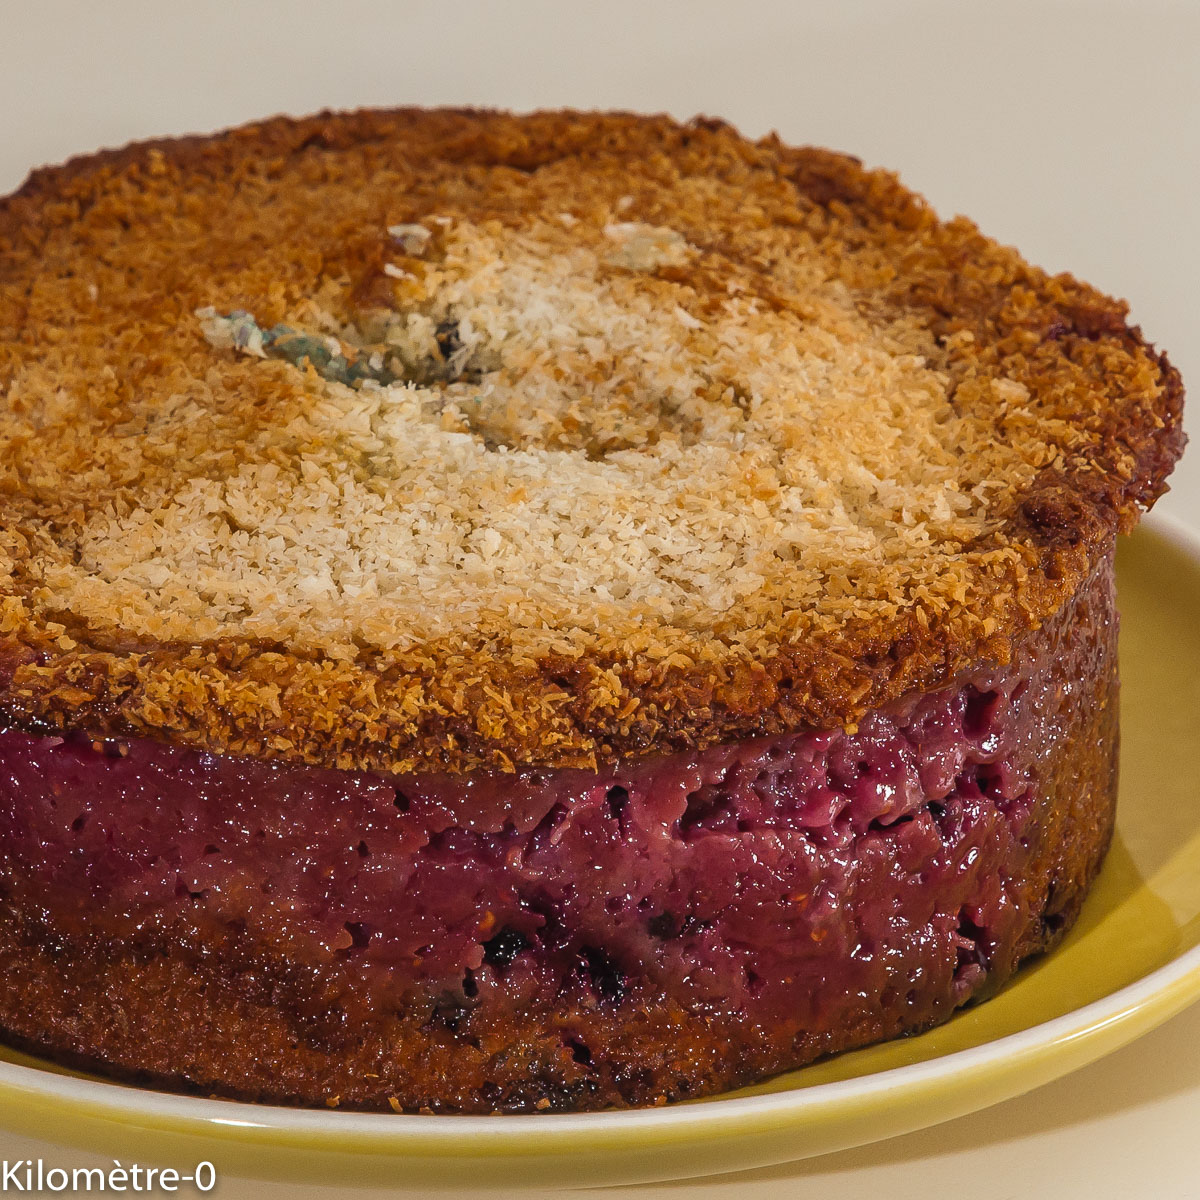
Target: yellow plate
(1132, 961)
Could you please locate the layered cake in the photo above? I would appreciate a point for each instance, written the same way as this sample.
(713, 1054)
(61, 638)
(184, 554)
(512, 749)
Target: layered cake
(533, 613)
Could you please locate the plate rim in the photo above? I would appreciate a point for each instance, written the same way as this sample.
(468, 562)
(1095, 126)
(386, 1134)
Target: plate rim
(1061, 1044)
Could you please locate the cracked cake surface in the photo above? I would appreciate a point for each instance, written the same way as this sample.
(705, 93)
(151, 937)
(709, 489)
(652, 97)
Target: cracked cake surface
(454, 440)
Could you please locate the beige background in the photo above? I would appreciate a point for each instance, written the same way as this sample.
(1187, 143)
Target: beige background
(1068, 127)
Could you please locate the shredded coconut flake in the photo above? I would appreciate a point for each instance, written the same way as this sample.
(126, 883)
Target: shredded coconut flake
(646, 247)
(413, 239)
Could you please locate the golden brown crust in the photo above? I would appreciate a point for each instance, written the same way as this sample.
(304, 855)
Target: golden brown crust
(459, 701)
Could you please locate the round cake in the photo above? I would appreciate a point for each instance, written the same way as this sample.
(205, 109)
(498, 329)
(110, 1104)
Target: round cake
(523, 613)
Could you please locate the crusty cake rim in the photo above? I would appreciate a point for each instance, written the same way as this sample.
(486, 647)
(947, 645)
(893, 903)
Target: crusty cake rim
(457, 707)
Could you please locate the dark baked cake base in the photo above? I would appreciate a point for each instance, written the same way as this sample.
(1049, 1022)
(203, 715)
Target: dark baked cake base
(561, 939)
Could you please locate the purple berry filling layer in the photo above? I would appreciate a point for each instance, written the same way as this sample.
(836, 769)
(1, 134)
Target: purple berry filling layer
(770, 881)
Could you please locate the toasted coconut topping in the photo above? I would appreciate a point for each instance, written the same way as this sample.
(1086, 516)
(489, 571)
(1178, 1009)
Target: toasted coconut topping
(551, 448)
(496, 440)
